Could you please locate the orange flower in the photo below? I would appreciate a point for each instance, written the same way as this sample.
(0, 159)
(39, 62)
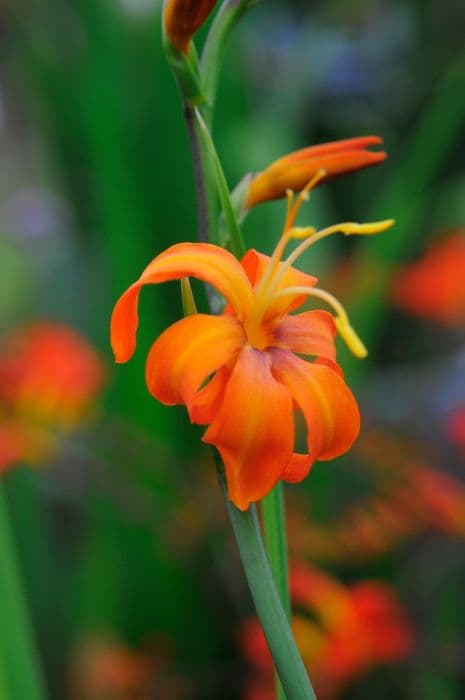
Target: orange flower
(104, 668)
(295, 170)
(249, 353)
(341, 632)
(49, 377)
(182, 18)
(433, 287)
(47, 371)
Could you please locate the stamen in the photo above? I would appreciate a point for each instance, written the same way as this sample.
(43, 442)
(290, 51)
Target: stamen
(289, 231)
(303, 197)
(348, 228)
(289, 199)
(301, 231)
(347, 333)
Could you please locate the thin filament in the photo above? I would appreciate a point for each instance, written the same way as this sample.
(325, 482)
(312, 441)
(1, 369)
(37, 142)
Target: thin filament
(291, 214)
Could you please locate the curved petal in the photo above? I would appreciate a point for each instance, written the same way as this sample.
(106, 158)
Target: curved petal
(297, 469)
(294, 170)
(207, 400)
(308, 333)
(328, 405)
(202, 260)
(254, 429)
(255, 265)
(182, 358)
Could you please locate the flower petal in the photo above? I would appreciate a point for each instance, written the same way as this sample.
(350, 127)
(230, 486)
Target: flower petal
(328, 405)
(255, 265)
(254, 429)
(308, 333)
(202, 260)
(207, 400)
(297, 469)
(183, 357)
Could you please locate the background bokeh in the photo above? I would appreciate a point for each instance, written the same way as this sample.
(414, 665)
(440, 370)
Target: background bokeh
(129, 567)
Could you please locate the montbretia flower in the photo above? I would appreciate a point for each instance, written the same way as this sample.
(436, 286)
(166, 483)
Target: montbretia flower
(342, 632)
(241, 373)
(105, 668)
(182, 18)
(50, 378)
(432, 287)
(294, 170)
(49, 374)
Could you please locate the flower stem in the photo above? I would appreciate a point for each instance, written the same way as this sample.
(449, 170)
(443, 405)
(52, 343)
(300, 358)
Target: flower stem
(274, 530)
(215, 46)
(206, 141)
(289, 665)
(205, 179)
(17, 649)
(274, 527)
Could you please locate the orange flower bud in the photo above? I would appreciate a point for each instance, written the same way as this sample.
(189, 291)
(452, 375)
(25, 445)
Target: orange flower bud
(182, 18)
(293, 172)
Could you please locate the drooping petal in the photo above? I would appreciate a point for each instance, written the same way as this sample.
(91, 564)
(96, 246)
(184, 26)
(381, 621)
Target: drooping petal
(201, 260)
(254, 428)
(308, 333)
(255, 265)
(329, 407)
(188, 352)
(297, 469)
(207, 401)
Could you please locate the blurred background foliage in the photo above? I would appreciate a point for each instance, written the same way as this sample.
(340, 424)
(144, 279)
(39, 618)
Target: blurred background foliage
(129, 569)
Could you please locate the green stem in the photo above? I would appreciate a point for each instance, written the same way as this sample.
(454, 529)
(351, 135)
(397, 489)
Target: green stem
(17, 649)
(274, 529)
(235, 235)
(215, 46)
(205, 179)
(278, 633)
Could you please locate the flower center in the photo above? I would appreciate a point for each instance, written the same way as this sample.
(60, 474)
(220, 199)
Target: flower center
(270, 291)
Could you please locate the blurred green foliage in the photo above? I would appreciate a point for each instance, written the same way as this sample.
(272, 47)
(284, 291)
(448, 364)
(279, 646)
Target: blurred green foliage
(125, 536)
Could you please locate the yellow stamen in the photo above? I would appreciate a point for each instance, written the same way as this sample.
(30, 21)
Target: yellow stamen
(303, 197)
(289, 230)
(341, 320)
(301, 231)
(350, 337)
(348, 228)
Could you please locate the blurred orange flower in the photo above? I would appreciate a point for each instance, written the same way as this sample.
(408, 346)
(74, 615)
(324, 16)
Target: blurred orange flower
(294, 170)
(377, 524)
(341, 632)
(107, 670)
(103, 668)
(250, 350)
(182, 18)
(49, 377)
(455, 427)
(432, 287)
